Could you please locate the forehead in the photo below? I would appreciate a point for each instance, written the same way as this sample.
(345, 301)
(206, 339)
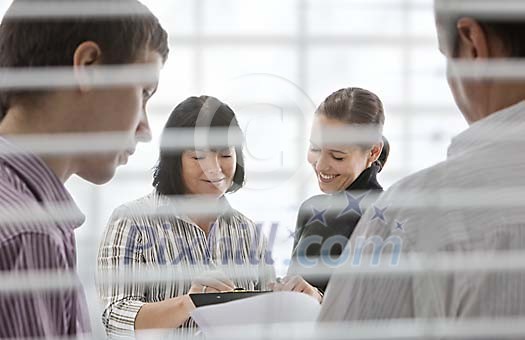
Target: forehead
(321, 120)
(210, 149)
(323, 126)
(325, 129)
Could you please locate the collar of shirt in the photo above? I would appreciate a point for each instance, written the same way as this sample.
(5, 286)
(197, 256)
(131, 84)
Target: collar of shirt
(171, 204)
(367, 180)
(43, 183)
(501, 126)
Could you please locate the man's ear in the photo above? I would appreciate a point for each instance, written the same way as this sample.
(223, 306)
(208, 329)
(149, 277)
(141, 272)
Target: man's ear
(473, 41)
(87, 53)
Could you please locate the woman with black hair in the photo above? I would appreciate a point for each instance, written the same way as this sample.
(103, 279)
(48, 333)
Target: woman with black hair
(346, 173)
(151, 233)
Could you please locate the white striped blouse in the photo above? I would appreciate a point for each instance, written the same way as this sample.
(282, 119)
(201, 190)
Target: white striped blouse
(135, 240)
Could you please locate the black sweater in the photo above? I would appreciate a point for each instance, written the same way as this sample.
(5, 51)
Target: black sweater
(334, 218)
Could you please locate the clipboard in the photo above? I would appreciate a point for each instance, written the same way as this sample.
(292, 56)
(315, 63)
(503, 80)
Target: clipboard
(206, 299)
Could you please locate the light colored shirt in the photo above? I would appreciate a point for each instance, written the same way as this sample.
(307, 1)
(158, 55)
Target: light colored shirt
(471, 203)
(37, 222)
(135, 240)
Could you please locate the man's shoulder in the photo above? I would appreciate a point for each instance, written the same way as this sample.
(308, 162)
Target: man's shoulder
(393, 211)
(423, 179)
(30, 234)
(18, 208)
(13, 183)
(33, 249)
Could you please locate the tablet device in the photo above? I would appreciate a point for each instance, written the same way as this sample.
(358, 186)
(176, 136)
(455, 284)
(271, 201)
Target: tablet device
(205, 299)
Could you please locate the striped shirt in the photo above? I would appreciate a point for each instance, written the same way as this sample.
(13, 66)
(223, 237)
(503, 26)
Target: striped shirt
(33, 240)
(135, 240)
(469, 205)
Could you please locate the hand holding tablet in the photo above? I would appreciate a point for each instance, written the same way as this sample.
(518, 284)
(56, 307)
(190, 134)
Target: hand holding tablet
(212, 282)
(205, 299)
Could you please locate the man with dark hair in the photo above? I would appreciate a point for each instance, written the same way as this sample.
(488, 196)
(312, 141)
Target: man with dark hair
(462, 210)
(37, 214)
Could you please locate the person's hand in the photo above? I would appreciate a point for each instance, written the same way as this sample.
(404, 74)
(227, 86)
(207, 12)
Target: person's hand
(296, 284)
(212, 282)
(187, 304)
